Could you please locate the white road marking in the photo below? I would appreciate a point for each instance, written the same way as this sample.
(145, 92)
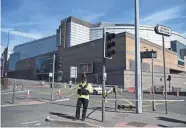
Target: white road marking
(37, 124)
(12, 92)
(30, 122)
(11, 105)
(49, 119)
(60, 100)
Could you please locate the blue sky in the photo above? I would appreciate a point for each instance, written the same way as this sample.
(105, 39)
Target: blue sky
(40, 18)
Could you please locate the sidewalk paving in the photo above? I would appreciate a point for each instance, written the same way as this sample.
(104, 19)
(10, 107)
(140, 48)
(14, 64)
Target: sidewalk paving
(121, 119)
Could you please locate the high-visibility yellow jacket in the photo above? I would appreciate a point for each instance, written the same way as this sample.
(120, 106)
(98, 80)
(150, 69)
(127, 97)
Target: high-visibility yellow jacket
(89, 88)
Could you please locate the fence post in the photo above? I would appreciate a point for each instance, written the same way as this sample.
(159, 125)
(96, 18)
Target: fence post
(116, 97)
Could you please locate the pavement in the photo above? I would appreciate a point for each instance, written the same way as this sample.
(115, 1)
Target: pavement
(33, 111)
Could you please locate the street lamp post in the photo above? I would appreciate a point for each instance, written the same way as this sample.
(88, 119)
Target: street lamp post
(6, 63)
(137, 61)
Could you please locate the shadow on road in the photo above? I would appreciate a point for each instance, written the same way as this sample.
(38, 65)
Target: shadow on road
(62, 115)
(171, 120)
(159, 125)
(63, 104)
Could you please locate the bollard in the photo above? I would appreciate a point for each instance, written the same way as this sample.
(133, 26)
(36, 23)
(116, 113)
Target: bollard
(116, 101)
(13, 96)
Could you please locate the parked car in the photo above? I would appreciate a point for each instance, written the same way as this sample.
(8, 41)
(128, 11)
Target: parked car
(97, 90)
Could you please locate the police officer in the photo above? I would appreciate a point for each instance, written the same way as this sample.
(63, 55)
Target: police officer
(83, 90)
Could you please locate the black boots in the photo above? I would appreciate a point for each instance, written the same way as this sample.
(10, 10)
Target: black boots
(83, 119)
(75, 118)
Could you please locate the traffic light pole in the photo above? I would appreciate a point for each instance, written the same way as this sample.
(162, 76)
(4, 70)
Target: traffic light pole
(104, 79)
(137, 61)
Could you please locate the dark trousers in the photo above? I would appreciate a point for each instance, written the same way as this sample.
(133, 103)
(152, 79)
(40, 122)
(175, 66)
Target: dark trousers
(78, 106)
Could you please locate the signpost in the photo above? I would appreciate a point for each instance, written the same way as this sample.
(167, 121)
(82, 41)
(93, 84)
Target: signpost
(73, 72)
(164, 31)
(50, 75)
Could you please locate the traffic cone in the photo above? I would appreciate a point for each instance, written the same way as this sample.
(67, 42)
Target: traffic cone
(177, 94)
(27, 94)
(59, 92)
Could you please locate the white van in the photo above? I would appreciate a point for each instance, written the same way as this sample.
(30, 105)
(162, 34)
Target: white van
(97, 90)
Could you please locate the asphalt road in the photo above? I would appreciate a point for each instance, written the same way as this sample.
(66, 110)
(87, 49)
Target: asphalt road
(35, 115)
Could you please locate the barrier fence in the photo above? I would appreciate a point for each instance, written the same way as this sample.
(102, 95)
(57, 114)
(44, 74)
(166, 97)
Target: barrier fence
(25, 90)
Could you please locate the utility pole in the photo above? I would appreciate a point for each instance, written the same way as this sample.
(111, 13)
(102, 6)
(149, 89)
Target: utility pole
(137, 61)
(153, 91)
(164, 74)
(53, 72)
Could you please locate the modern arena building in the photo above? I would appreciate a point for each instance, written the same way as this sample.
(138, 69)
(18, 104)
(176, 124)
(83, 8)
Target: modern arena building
(77, 41)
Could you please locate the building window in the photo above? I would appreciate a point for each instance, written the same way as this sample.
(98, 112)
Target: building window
(180, 63)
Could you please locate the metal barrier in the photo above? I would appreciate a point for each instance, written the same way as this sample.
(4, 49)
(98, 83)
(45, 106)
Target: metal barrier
(19, 90)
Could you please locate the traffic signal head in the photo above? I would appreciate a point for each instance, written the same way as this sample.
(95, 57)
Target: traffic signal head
(169, 78)
(109, 44)
(110, 36)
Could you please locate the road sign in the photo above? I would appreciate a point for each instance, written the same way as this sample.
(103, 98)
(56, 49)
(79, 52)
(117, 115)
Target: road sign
(163, 30)
(73, 72)
(148, 54)
(85, 68)
(105, 76)
(50, 74)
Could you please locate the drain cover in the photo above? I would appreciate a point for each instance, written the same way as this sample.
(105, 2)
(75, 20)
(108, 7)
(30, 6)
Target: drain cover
(136, 124)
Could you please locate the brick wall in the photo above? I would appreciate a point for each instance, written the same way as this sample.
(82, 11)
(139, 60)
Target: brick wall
(177, 81)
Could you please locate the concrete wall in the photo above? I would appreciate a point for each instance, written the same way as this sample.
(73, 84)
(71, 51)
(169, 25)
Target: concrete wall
(177, 81)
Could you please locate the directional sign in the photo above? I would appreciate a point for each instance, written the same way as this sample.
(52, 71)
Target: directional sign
(50, 74)
(163, 30)
(148, 54)
(73, 72)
